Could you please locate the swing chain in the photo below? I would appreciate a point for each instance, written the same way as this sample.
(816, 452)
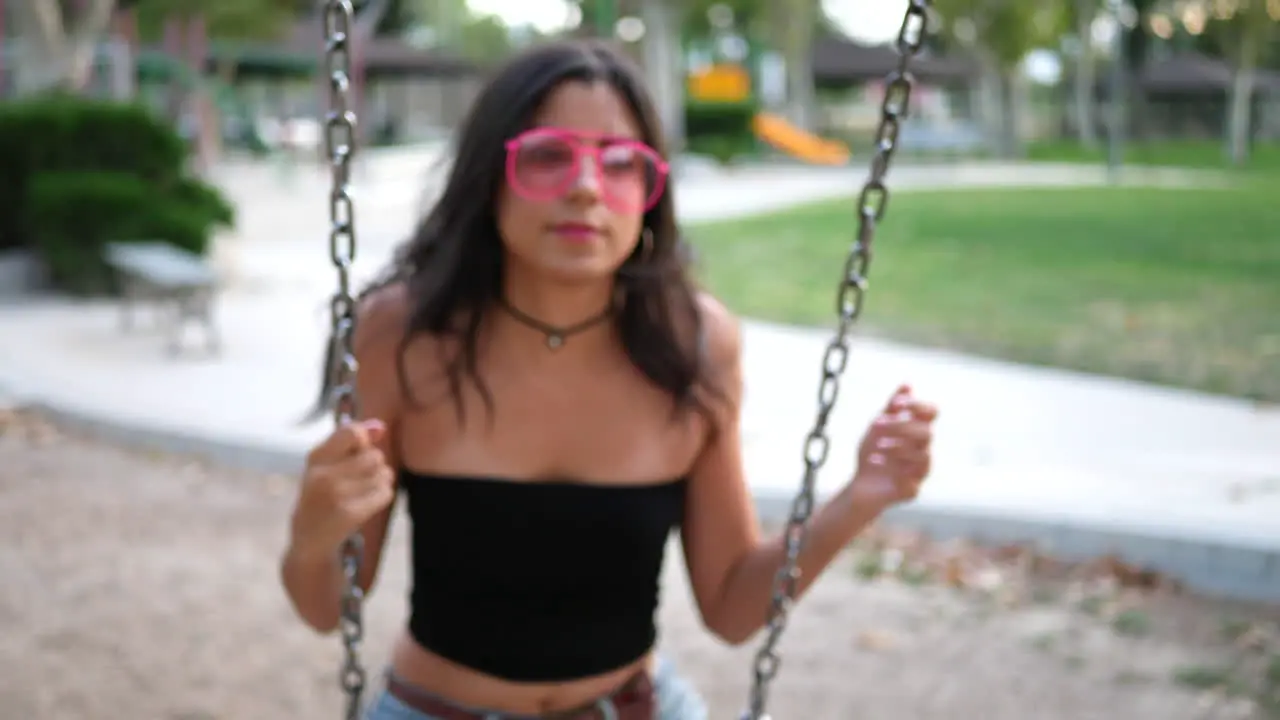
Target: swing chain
(340, 143)
(871, 205)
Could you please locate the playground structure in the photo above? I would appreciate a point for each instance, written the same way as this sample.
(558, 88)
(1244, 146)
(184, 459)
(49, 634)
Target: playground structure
(798, 142)
(724, 88)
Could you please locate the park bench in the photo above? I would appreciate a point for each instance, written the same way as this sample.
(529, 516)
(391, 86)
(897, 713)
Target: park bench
(178, 284)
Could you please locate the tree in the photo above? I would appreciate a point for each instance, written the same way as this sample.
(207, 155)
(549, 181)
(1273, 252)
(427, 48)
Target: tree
(58, 42)
(595, 14)
(664, 65)
(59, 38)
(788, 27)
(451, 25)
(484, 38)
(224, 19)
(1002, 33)
(1243, 28)
(399, 18)
(794, 23)
(1082, 13)
(749, 16)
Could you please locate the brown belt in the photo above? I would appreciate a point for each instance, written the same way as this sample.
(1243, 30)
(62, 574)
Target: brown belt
(633, 701)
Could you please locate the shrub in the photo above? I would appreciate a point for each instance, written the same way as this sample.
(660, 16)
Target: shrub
(80, 172)
(74, 215)
(60, 133)
(205, 199)
(724, 149)
(719, 118)
(720, 130)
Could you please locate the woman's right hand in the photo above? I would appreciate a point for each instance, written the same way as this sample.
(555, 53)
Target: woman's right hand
(346, 482)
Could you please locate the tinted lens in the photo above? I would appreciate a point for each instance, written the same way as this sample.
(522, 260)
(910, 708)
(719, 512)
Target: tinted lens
(544, 164)
(629, 174)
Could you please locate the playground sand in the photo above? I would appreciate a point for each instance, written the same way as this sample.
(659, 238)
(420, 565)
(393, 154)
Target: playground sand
(144, 586)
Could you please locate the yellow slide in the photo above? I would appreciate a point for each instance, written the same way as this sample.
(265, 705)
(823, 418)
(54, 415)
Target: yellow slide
(799, 143)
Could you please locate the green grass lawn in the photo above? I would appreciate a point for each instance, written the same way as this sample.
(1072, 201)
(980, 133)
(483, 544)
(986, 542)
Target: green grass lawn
(1264, 158)
(1180, 287)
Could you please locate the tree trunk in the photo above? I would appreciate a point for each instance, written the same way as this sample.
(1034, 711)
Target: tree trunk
(1085, 77)
(990, 103)
(1010, 134)
(1240, 109)
(664, 66)
(38, 38)
(55, 51)
(1239, 123)
(88, 31)
(798, 52)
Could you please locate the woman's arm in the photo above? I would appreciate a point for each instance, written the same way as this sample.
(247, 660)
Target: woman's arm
(315, 583)
(731, 569)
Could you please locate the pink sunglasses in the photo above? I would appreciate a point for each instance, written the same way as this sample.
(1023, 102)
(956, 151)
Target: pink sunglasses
(545, 163)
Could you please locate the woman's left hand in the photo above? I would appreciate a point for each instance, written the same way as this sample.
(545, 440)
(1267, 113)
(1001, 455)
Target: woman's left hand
(894, 456)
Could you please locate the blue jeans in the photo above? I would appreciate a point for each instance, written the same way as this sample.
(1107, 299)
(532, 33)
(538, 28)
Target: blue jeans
(677, 700)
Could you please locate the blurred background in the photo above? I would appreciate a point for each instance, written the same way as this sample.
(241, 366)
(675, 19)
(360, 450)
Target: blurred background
(1080, 263)
(1037, 79)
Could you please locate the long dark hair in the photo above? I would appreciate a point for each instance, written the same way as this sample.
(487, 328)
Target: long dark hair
(452, 265)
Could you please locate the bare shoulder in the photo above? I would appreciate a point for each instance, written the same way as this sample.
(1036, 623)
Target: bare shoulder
(392, 363)
(380, 323)
(379, 333)
(722, 357)
(722, 333)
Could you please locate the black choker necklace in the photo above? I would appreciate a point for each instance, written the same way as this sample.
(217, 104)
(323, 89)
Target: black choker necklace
(556, 336)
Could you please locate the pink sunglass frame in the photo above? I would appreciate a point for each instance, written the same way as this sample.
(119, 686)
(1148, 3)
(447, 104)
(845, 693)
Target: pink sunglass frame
(581, 143)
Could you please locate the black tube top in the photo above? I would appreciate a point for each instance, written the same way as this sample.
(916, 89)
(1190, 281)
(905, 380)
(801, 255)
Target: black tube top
(537, 581)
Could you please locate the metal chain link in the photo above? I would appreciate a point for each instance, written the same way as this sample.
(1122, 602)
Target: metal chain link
(340, 145)
(872, 203)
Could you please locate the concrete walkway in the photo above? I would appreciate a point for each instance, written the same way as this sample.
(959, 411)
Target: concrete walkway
(1186, 483)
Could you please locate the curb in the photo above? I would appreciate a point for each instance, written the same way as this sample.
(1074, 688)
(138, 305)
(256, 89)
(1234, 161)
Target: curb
(1207, 566)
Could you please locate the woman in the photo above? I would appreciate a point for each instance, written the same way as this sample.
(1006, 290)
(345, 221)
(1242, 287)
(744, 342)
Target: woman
(541, 379)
